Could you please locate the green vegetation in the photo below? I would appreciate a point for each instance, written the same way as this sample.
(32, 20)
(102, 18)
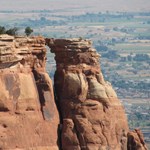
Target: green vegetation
(14, 31)
(11, 31)
(28, 31)
(2, 30)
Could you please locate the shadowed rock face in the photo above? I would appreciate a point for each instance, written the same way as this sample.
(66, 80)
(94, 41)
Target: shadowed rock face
(92, 116)
(28, 115)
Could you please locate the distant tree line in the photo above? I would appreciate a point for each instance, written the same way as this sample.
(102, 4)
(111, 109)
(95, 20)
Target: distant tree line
(43, 22)
(101, 17)
(121, 83)
(14, 31)
(137, 57)
(143, 37)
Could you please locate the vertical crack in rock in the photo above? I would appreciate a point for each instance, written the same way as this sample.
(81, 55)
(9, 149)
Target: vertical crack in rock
(93, 117)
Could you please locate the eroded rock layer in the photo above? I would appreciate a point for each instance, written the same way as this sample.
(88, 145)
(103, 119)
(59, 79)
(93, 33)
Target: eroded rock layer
(92, 116)
(28, 115)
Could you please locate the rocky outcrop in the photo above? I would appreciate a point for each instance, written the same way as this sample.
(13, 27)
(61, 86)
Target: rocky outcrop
(28, 115)
(136, 140)
(92, 116)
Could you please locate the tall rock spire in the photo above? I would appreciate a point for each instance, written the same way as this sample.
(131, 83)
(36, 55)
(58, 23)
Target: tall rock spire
(92, 115)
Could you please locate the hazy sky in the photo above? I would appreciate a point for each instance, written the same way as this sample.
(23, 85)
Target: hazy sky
(91, 5)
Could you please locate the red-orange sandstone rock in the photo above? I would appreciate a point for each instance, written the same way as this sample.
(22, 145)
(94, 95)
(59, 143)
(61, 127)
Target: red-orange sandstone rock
(136, 140)
(92, 116)
(28, 115)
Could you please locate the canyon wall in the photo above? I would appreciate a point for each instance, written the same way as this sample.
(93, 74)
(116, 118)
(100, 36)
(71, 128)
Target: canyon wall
(28, 115)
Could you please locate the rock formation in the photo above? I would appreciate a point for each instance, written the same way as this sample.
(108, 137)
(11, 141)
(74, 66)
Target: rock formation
(91, 116)
(28, 115)
(136, 140)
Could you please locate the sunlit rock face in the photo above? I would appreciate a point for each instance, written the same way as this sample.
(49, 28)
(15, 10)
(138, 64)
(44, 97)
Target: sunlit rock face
(28, 114)
(92, 116)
